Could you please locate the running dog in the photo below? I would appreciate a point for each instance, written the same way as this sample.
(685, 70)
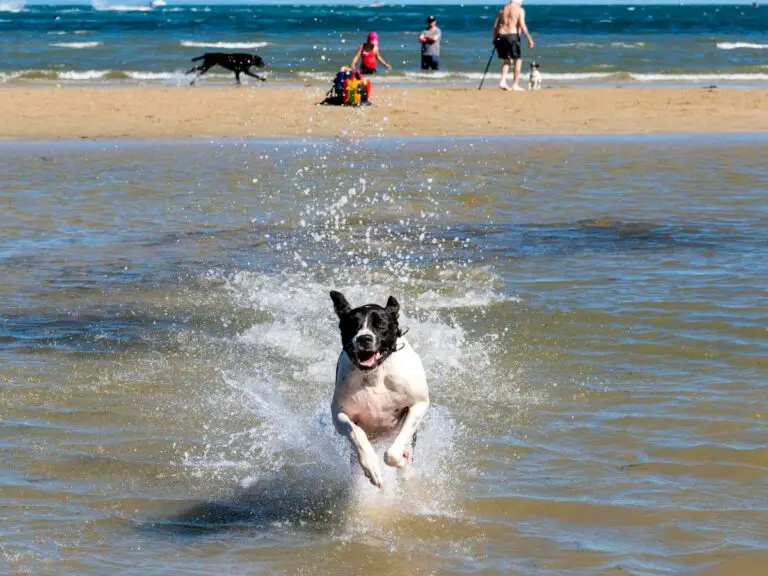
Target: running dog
(381, 389)
(237, 63)
(534, 80)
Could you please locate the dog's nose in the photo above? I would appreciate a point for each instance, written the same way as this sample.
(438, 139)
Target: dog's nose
(365, 340)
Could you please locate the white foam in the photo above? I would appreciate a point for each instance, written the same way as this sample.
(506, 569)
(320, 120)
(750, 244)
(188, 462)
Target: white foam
(138, 75)
(425, 77)
(577, 45)
(104, 7)
(77, 45)
(84, 75)
(741, 46)
(6, 76)
(628, 44)
(576, 76)
(12, 6)
(228, 45)
(698, 77)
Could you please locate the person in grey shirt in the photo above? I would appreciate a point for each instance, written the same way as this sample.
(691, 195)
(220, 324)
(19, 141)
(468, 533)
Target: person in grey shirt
(430, 45)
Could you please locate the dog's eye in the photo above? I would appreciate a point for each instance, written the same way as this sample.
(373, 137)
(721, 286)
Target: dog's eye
(379, 322)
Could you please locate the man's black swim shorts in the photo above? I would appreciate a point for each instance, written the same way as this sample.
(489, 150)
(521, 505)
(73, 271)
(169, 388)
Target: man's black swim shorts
(508, 46)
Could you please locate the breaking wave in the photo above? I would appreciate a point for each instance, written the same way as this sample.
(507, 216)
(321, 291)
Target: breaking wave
(228, 45)
(77, 45)
(12, 6)
(176, 77)
(102, 7)
(741, 46)
(97, 75)
(411, 77)
(699, 77)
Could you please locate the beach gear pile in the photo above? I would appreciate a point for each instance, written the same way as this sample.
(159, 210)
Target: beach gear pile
(349, 88)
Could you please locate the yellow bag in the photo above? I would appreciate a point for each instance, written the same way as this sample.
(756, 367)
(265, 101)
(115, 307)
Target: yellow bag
(356, 90)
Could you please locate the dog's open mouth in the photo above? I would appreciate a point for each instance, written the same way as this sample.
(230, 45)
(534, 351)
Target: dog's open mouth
(368, 358)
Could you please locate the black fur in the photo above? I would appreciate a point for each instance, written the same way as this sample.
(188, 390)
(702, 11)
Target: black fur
(383, 323)
(237, 63)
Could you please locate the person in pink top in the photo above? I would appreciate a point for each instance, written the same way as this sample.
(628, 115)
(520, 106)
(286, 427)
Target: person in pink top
(368, 54)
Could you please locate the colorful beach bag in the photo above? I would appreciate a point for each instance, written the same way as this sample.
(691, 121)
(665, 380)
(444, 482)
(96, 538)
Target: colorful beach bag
(349, 88)
(357, 90)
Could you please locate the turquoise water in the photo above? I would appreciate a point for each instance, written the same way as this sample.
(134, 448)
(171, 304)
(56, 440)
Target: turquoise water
(595, 45)
(590, 312)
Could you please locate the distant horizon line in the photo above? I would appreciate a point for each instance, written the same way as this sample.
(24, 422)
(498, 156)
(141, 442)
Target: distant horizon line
(431, 3)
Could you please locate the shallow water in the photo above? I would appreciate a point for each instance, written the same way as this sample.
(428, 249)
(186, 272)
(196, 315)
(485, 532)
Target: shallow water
(590, 311)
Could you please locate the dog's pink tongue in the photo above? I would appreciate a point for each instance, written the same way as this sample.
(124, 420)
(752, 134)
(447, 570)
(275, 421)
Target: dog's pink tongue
(371, 361)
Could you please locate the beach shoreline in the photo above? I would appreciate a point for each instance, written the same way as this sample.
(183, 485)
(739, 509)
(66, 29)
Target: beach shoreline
(50, 113)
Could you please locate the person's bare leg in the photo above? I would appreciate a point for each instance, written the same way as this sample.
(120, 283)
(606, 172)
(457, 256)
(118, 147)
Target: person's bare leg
(516, 77)
(504, 72)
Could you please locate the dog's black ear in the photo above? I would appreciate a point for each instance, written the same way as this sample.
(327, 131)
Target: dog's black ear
(392, 306)
(340, 303)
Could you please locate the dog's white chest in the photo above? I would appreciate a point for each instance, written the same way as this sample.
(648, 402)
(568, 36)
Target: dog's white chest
(534, 81)
(375, 407)
(377, 400)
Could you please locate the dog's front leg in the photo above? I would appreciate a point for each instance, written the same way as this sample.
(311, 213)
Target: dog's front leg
(248, 72)
(366, 455)
(396, 455)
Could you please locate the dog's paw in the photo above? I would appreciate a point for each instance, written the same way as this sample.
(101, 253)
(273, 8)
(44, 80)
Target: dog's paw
(398, 457)
(372, 470)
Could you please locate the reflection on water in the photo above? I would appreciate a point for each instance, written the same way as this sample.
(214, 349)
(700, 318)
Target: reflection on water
(590, 313)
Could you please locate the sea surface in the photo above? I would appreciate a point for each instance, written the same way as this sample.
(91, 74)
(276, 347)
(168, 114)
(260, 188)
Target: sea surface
(591, 313)
(131, 43)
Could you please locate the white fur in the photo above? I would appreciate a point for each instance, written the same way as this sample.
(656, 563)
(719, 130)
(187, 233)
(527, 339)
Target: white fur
(368, 406)
(534, 80)
(366, 330)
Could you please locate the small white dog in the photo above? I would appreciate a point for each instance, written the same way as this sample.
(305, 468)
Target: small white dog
(534, 79)
(381, 389)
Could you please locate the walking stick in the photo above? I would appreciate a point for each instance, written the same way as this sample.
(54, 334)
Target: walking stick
(486, 68)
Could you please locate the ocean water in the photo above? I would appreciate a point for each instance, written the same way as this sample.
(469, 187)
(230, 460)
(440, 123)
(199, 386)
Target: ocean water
(590, 312)
(130, 43)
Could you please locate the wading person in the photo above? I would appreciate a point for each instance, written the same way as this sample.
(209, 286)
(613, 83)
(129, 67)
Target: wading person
(509, 24)
(430, 45)
(368, 54)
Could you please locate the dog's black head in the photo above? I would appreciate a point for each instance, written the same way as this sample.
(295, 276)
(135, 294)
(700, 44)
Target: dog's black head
(534, 66)
(368, 333)
(257, 61)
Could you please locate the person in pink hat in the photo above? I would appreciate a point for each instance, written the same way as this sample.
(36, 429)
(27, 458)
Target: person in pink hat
(368, 54)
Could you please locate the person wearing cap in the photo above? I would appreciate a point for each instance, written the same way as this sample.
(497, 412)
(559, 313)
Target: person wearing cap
(509, 24)
(430, 45)
(368, 54)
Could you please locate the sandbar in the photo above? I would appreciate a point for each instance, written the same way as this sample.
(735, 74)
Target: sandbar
(45, 113)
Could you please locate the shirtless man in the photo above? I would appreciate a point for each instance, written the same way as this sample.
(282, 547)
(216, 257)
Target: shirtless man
(509, 24)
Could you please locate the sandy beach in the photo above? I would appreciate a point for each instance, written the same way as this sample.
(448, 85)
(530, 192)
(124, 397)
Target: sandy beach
(124, 112)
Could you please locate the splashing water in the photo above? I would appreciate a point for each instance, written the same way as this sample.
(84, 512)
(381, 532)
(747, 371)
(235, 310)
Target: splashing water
(369, 240)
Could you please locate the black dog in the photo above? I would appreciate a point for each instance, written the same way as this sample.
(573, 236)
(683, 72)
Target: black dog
(237, 63)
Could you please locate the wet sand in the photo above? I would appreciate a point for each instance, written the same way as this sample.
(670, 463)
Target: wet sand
(71, 112)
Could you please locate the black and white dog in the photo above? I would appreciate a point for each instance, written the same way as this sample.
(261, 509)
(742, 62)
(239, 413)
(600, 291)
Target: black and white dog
(381, 389)
(534, 79)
